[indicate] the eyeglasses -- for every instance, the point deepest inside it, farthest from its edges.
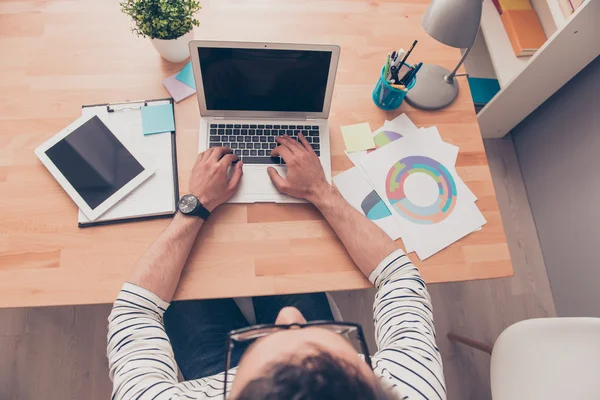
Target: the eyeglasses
(252, 333)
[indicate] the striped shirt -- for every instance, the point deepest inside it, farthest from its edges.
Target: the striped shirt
(142, 364)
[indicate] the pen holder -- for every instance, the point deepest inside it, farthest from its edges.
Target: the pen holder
(387, 97)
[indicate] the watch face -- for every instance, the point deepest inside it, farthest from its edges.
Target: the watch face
(187, 203)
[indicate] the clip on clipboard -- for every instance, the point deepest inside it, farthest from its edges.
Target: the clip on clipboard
(157, 197)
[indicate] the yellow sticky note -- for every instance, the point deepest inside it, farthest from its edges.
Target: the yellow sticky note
(358, 137)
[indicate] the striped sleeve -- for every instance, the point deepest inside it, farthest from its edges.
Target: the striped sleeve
(407, 357)
(140, 357)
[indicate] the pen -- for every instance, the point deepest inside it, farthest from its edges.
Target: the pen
(406, 75)
(399, 54)
(394, 72)
(409, 51)
(386, 69)
(414, 73)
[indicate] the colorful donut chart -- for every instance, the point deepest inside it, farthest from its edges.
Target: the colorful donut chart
(431, 214)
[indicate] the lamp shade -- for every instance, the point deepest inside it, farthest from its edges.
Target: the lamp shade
(453, 22)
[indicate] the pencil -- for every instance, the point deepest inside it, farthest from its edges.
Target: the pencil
(408, 52)
(386, 70)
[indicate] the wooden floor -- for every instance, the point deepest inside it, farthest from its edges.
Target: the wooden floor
(59, 352)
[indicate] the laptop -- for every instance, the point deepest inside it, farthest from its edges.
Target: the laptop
(250, 93)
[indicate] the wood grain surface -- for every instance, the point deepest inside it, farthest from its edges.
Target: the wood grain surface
(58, 55)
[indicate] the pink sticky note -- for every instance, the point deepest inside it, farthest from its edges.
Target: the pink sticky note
(177, 89)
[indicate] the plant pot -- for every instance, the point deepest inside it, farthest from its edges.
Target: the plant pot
(174, 50)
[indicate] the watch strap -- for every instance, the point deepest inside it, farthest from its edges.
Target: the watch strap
(201, 211)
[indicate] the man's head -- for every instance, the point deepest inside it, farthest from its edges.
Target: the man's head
(302, 364)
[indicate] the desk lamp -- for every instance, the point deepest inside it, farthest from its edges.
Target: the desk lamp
(454, 23)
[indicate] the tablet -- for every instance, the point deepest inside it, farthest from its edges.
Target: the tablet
(93, 166)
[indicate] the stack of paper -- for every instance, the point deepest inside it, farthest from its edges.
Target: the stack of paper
(408, 185)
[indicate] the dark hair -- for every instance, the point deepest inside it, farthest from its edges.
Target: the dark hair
(315, 377)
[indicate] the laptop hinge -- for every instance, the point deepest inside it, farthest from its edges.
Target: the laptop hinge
(269, 118)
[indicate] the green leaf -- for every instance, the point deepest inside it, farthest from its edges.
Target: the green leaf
(161, 19)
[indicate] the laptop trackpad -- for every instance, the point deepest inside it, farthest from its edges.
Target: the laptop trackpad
(257, 186)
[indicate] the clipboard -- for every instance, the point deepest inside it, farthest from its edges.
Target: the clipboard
(124, 120)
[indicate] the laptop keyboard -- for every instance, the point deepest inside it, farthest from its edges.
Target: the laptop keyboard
(253, 142)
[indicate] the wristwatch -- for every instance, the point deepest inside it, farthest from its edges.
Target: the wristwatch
(190, 205)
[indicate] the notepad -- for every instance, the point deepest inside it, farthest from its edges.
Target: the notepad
(358, 137)
(177, 89)
(157, 119)
(186, 75)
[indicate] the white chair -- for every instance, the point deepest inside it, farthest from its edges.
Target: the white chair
(545, 359)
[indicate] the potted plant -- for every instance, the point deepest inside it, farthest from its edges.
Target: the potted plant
(168, 23)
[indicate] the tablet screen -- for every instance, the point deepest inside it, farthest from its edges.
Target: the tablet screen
(94, 162)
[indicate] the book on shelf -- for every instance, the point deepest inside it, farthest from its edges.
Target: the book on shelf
(568, 7)
(505, 5)
(524, 31)
(497, 5)
(483, 89)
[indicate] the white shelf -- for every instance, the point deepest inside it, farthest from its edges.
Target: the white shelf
(506, 64)
(575, 40)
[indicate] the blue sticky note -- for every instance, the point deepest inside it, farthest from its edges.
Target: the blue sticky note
(157, 119)
(186, 75)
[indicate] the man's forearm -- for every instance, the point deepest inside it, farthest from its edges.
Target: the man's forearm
(365, 241)
(159, 268)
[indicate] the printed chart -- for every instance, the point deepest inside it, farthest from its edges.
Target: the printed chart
(425, 215)
(384, 137)
(373, 207)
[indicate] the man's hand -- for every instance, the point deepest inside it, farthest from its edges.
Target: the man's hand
(209, 181)
(305, 176)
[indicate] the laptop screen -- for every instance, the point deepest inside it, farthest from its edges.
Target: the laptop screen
(264, 79)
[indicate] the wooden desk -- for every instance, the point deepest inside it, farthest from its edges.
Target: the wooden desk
(57, 55)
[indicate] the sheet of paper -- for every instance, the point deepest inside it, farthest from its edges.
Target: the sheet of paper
(157, 119)
(401, 124)
(177, 89)
(358, 137)
(156, 196)
(186, 75)
(431, 131)
(433, 208)
(449, 151)
(360, 195)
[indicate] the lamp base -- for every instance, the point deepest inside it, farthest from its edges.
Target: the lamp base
(432, 92)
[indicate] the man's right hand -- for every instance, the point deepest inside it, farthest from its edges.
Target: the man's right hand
(305, 176)
(209, 182)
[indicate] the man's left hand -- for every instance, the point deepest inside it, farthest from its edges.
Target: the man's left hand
(209, 182)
